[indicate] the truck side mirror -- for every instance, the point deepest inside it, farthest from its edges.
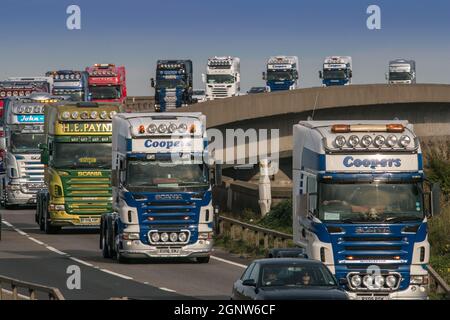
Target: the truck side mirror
(386, 76)
(320, 74)
(264, 76)
(203, 78)
(152, 82)
(2, 143)
(44, 153)
(350, 74)
(435, 199)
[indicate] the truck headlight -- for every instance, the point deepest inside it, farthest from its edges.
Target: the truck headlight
(182, 237)
(205, 235)
(368, 281)
(173, 237)
(366, 141)
(130, 236)
(379, 141)
(164, 237)
(56, 207)
(155, 237)
(391, 140)
(340, 141)
(353, 141)
(391, 281)
(379, 281)
(419, 280)
(405, 141)
(355, 281)
(152, 128)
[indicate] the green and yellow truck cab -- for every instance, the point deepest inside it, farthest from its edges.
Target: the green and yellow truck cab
(77, 162)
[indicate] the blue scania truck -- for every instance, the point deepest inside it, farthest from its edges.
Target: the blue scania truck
(282, 73)
(173, 84)
(361, 205)
(162, 203)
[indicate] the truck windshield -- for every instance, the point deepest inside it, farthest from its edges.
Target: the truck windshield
(82, 155)
(279, 75)
(74, 96)
(101, 92)
(370, 202)
(170, 83)
(220, 78)
(334, 74)
(164, 175)
(26, 142)
(400, 76)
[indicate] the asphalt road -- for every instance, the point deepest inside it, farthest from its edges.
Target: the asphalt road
(28, 254)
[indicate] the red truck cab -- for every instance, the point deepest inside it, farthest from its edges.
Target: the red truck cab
(107, 83)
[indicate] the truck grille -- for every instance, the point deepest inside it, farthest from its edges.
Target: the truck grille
(220, 92)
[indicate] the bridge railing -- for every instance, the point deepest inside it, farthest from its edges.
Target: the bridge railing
(238, 230)
(11, 291)
(140, 104)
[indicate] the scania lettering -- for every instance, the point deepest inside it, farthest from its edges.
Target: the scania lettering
(173, 85)
(401, 71)
(282, 73)
(337, 71)
(76, 152)
(361, 205)
(24, 176)
(107, 83)
(223, 77)
(70, 83)
(161, 190)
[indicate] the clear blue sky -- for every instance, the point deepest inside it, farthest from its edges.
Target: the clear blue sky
(138, 32)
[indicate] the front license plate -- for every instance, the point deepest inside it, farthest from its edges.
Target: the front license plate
(374, 298)
(169, 251)
(89, 220)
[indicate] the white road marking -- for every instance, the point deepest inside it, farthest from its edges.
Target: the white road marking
(6, 223)
(229, 262)
(36, 240)
(117, 274)
(166, 289)
(56, 250)
(81, 261)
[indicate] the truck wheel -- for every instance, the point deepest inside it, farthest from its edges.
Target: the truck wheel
(48, 228)
(105, 246)
(203, 259)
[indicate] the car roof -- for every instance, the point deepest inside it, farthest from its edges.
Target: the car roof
(274, 261)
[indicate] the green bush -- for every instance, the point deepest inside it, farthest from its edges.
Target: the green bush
(279, 217)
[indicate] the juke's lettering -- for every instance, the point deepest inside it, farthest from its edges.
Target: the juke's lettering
(371, 163)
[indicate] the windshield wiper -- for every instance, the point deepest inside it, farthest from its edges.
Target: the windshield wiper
(401, 219)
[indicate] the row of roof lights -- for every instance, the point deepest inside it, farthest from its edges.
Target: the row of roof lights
(20, 93)
(366, 141)
(71, 76)
(164, 128)
(84, 115)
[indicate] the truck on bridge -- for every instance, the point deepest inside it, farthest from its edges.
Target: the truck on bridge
(19, 87)
(401, 71)
(70, 83)
(223, 77)
(77, 156)
(282, 73)
(337, 71)
(24, 172)
(173, 84)
(107, 83)
(161, 190)
(361, 205)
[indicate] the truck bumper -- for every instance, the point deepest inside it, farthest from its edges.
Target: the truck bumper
(17, 197)
(137, 249)
(63, 219)
(413, 292)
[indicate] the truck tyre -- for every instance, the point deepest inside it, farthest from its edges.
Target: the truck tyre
(48, 228)
(106, 252)
(203, 259)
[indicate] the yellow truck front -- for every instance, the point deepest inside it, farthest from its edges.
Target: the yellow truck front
(77, 159)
